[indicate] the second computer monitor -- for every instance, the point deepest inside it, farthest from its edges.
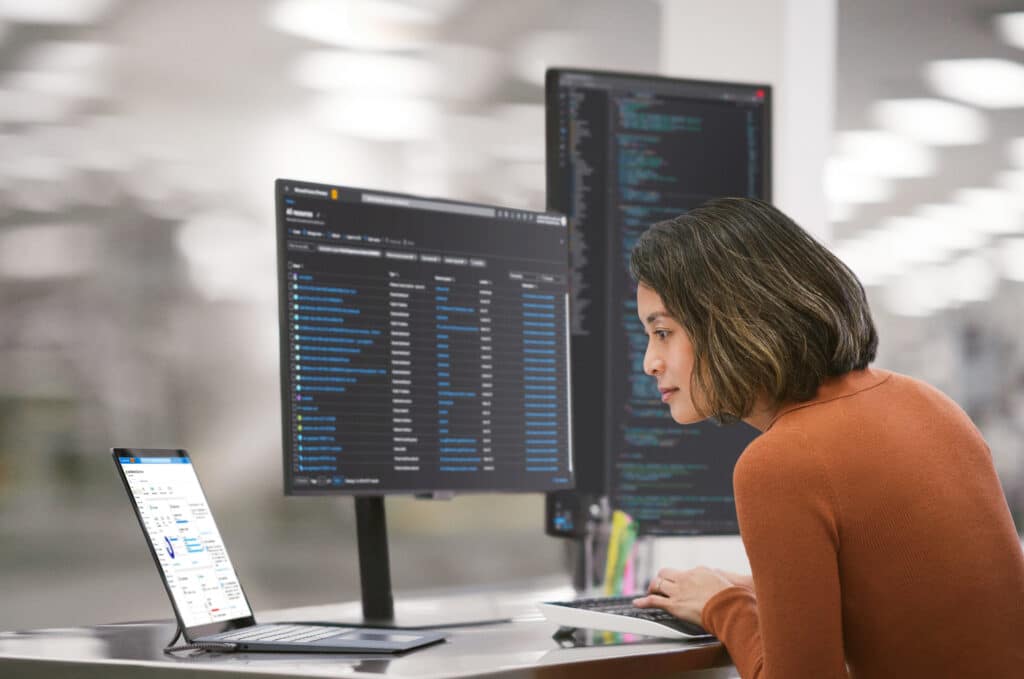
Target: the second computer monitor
(424, 344)
(625, 151)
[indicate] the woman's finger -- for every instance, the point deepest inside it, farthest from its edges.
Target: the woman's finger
(651, 601)
(668, 574)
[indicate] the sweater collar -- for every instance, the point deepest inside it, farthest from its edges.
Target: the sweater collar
(837, 387)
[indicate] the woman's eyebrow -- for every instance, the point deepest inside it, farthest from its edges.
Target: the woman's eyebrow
(656, 315)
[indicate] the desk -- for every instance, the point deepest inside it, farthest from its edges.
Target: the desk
(521, 648)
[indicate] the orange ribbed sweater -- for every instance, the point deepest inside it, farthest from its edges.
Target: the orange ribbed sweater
(879, 540)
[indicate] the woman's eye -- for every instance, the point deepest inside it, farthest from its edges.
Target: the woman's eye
(662, 334)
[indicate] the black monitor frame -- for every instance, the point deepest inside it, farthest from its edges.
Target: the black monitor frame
(512, 216)
(593, 481)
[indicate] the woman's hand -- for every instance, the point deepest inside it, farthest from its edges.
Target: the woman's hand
(683, 593)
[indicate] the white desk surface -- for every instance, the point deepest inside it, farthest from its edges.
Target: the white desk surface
(523, 647)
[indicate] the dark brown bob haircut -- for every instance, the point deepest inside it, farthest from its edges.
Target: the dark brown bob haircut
(768, 309)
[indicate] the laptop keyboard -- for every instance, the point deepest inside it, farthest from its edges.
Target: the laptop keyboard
(624, 606)
(281, 633)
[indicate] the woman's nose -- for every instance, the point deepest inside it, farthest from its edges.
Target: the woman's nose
(653, 365)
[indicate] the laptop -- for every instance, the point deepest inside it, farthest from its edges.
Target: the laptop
(209, 604)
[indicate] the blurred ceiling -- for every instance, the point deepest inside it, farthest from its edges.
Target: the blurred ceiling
(884, 52)
(151, 112)
(167, 104)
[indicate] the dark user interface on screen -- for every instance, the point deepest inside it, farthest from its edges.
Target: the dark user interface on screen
(625, 152)
(424, 344)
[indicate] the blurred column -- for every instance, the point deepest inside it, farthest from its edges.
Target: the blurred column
(788, 44)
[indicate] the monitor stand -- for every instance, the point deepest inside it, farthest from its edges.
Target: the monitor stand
(379, 609)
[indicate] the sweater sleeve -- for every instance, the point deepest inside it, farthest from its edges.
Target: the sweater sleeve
(787, 515)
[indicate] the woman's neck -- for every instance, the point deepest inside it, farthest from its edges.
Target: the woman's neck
(762, 415)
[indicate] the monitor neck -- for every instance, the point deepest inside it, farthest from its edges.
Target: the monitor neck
(374, 565)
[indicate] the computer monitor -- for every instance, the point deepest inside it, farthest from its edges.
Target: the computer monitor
(424, 351)
(625, 151)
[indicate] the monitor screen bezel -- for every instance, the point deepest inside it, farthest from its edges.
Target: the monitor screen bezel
(284, 357)
(195, 631)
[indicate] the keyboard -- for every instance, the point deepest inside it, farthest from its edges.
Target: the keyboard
(618, 614)
(298, 634)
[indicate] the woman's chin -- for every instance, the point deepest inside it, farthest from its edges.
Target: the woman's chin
(686, 416)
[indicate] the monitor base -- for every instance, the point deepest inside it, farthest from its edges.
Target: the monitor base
(417, 622)
(423, 613)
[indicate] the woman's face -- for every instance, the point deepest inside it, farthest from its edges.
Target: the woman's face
(669, 356)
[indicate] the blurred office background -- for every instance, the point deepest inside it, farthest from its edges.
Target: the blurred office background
(138, 145)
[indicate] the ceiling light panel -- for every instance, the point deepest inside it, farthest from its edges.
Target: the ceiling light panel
(931, 121)
(378, 118)
(1010, 27)
(872, 257)
(840, 212)
(918, 293)
(65, 55)
(974, 278)
(59, 84)
(1012, 258)
(1016, 152)
(59, 12)
(885, 154)
(329, 70)
(988, 83)
(952, 225)
(991, 210)
(1012, 181)
(357, 24)
(847, 182)
(915, 240)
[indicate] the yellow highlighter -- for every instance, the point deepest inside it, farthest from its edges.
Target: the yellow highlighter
(619, 545)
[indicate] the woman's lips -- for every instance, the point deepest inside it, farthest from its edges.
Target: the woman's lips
(666, 394)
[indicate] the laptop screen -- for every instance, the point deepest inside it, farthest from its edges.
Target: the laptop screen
(185, 539)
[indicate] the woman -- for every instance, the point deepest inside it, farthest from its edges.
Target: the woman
(879, 539)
